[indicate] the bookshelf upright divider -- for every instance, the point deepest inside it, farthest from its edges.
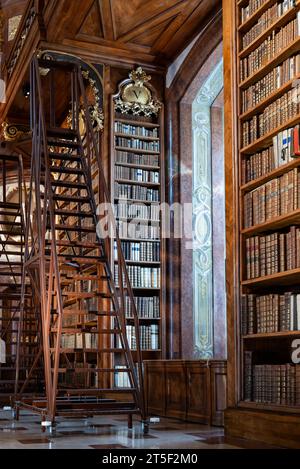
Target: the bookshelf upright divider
(137, 187)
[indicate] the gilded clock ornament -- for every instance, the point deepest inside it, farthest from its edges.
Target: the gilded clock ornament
(136, 96)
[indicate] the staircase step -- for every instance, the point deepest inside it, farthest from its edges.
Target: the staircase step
(82, 229)
(10, 223)
(7, 213)
(72, 261)
(79, 294)
(6, 232)
(61, 132)
(65, 157)
(69, 185)
(62, 144)
(77, 244)
(69, 198)
(83, 278)
(10, 253)
(70, 213)
(11, 242)
(66, 170)
(9, 205)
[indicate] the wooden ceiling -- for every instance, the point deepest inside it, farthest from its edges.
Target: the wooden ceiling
(150, 30)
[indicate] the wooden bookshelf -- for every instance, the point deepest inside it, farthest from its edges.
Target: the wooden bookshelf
(246, 25)
(286, 52)
(281, 21)
(142, 161)
(267, 316)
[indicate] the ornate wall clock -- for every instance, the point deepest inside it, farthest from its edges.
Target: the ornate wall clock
(136, 96)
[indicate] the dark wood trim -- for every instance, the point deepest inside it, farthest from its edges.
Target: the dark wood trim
(231, 178)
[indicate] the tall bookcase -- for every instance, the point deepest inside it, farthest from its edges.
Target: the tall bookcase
(266, 94)
(137, 185)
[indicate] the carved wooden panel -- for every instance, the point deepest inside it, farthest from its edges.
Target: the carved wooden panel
(175, 390)
(155, 387)
(218, 378)
(198, 392)
(194, 391)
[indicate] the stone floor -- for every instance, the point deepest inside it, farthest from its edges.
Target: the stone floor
(112, 432)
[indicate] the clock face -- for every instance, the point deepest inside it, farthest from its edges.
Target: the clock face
(136, 94)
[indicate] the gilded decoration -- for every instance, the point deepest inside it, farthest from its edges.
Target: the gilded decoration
(12, 132)
(136, 96)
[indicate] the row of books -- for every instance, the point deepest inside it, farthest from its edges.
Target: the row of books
(140, 277)
(122, 376)
(79, 341)
(147, 307)
(139, 251)
(275, 198)
(251, 8)
(274, 115)
(149, 337)
(265, 52)
(284, 149)
(129, 191)
(144, 212)
(139, 131)
(136, 174)
(133, 230)
(270, 313)
(132, 158)
(271, 82)
(271, 384)
(265, 20)
(137, 144)
(274, 253)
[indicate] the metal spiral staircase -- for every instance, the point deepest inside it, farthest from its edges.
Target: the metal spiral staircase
(68, 260)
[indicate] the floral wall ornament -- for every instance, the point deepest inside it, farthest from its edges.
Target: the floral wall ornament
(96, 112)
(136, 96)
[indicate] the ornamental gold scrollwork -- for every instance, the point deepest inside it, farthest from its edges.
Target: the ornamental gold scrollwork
(12, 132)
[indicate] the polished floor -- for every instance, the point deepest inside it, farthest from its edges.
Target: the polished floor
(112, 432)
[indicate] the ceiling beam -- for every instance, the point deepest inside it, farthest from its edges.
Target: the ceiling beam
(107, 20)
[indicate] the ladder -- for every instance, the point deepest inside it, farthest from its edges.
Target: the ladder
(82, 311)
(19, 328)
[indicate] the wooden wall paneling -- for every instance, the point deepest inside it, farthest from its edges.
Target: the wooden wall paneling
(175, 389)
(194, 391)
(218, 380)
(155, 386)
(198, 392)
